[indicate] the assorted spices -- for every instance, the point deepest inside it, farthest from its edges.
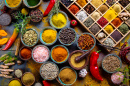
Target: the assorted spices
(33, 2)
(82, 15)
(88, 22)
(13, 3)
(109, 42)
(96, 15)
(28, 78)
(49, 35)
(36, 15)
(103, 9)
(59, 20)
(66, 2)
(67, 76)
(30, 37)
(85, 42)
(15, 83)
(59, 54)
(96, 3)
(89, 8)
(128, 8)
(67, 36)
(26, 53)
(124, 3)
(82, 2)
(116, 35)
(49, 71)
(124, 28)
(40, 53)
(102, 21)
(18, 73)
(94, 29)
(117, 8)
(111, 63)
(116, 22)
(74, 8)
(108, 29)
(111, 2)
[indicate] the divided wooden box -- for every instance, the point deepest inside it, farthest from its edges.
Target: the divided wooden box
(95, 21)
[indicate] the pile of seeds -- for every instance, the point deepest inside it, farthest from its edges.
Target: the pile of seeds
(30, 37)
(67, 36)
(111, 63)
(49, 71)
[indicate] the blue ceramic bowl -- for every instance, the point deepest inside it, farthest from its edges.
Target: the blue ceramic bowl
(66, 57)
(42, 46)
(64, 43)
(33, 44)
(92, 37)
(50, 21)
(43, 65)
(111, 55)
(64, 83)
(48, 44)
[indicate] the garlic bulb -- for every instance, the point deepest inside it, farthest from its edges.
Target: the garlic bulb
(83, 73)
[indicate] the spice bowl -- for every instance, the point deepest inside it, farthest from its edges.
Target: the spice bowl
(59, 54)
(48, 37)
(92, 40)
(17, 73)
(36, 41)
(119, 62)
(17, 82)
(29, 6)
(66, 35)
(60, 80)
(51, 21)
(50, 71)
(40, 53)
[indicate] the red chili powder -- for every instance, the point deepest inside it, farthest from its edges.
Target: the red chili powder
(116, 22)
(102, 21)
(74, 8)
(25, 53)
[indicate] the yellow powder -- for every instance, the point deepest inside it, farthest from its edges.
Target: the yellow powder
(14, 83)
(81, 2)
(59, 20)
(108, 29)
(96, 3)
(13, 3)
(72, 59)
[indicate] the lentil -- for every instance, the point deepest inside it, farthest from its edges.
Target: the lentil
(109, 42)
(89, 8)
(116, 35)
(82, 15)
(124, 28)
(94, 29)
(88, 22)
(102, 21)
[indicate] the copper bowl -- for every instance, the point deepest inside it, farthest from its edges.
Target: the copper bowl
(15, 79)
(77, 68)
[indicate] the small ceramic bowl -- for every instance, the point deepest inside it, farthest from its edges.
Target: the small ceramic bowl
(43, 65)
(92, 37)
(66, 57)
(14, 8)
(16, 75)
(22, 79)
(27, 5)
(33, 44)
(42, 46)
(47, 44)
(111, 55)
(64, 43)
(20, 53)
(15, 79)
(54, 25)
(64, 83)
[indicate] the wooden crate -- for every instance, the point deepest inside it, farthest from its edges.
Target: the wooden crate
(95, 22)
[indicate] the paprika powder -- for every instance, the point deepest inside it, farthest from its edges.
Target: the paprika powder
(25, 53)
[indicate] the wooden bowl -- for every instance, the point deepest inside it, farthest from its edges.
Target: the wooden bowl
(15, 79)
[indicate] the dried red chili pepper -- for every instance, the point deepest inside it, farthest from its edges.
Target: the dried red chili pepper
(45, 83)
(94, 67)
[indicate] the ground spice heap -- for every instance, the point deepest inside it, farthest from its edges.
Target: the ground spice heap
(108, 29)
(96, 15)
(103, 9)
(116, 22)
(25, 53)
(94, 29)
(74, 8)
(67, 76)
(124, 28)
(59, 54)
(116, 35)
(14, 83)
(124, 3)
(82, 15)
(67, 36)
(111, 63)
(89, 9)
(88, 22)
(13, 3)
(82, 2)
(117, 8)
(94, 2)
(33, 2)
(66, 2)
(102, 21)
(49, 35)
(85, 42)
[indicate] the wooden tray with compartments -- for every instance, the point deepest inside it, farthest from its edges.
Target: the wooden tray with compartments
(96, 9)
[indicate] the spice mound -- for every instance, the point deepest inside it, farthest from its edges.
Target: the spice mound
(59, 54)
(85, 42)
(28, 78)
(103, 9)
(67, 36)
(13, 3)
(18, 73)
(15, 83)
(25, 53)
(109, 42)
(111, 63)
(116, 22)
(82, 2)
(67, 76)
(30, 37)
(59, 20)
(49, 71)
(74, 8)
(40, 53)
(49, 35)
(124, 28)
(82, 15)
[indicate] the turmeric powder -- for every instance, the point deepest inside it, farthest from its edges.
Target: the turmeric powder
(82, 2)
(13, 3)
